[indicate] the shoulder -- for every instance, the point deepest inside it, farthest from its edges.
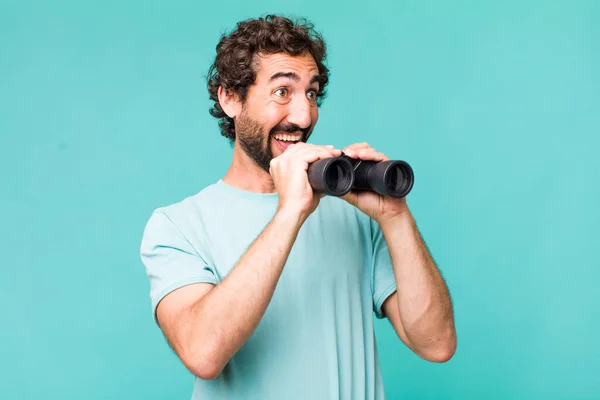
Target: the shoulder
(181, 210)
(176, 216)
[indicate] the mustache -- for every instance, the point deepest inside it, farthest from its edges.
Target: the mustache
(291, 128)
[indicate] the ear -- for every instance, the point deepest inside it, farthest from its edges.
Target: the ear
(229, 102)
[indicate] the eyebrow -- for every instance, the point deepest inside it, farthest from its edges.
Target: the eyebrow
(293, 76)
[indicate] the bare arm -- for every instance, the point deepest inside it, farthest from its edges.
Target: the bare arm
(208, 332)
(421, 309)
(205, 324)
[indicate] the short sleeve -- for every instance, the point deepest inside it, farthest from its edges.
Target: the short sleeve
(170, 260)
(383, 278)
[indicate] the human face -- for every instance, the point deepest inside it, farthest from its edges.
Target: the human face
(280, 108)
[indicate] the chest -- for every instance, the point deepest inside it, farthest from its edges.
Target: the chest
(330, 246)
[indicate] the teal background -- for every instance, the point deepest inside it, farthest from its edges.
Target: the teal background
(104, 116)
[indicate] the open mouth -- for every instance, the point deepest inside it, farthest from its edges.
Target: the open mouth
(283, 140)
(286, 137)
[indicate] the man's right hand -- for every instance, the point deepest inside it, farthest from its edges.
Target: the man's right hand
(289, 173)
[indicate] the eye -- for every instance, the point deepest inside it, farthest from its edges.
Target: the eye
(312, 94)
(281, 92)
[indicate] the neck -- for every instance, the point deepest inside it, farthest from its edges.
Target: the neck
(244, 174)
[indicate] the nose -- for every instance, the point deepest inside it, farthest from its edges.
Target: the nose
(300, 112)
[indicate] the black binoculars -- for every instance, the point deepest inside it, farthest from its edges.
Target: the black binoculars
(336, 176)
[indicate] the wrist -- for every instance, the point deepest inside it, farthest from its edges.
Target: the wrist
(291, 217)
(401, 219)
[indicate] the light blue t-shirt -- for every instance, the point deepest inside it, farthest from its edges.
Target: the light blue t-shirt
(316, 339)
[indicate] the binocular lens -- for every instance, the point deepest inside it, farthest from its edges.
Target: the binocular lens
(338, 177)
(332, 176)
(399, 180)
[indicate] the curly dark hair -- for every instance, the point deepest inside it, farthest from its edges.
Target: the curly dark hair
(233, 67)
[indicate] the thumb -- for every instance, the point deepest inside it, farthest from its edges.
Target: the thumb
(351, 197)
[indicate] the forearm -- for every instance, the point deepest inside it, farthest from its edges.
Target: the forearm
(424, 303)
(223, 320)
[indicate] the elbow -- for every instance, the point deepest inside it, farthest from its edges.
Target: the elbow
(441, 355)
(206, 371)
(202, 365)
(442, 351)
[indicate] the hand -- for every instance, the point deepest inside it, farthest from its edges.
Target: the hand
(378, 207)
(289, 173)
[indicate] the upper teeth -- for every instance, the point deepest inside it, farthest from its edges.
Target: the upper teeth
(286, 137)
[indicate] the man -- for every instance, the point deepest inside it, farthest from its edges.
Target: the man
(266, 289)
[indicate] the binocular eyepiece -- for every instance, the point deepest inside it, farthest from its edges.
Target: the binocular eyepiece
(337, 176)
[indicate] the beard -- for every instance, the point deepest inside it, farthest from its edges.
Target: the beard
(256, 144)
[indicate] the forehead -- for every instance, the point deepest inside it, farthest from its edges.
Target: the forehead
(267, 66)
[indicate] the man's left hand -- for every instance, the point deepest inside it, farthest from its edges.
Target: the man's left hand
(380, 208)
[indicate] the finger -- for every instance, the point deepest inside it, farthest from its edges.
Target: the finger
(362, 145)
(371, 155)
(356, 146)
(296, 148)
(310, 152)
(355, 152)
(312, 155)
(328, 149)
(325, 153)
